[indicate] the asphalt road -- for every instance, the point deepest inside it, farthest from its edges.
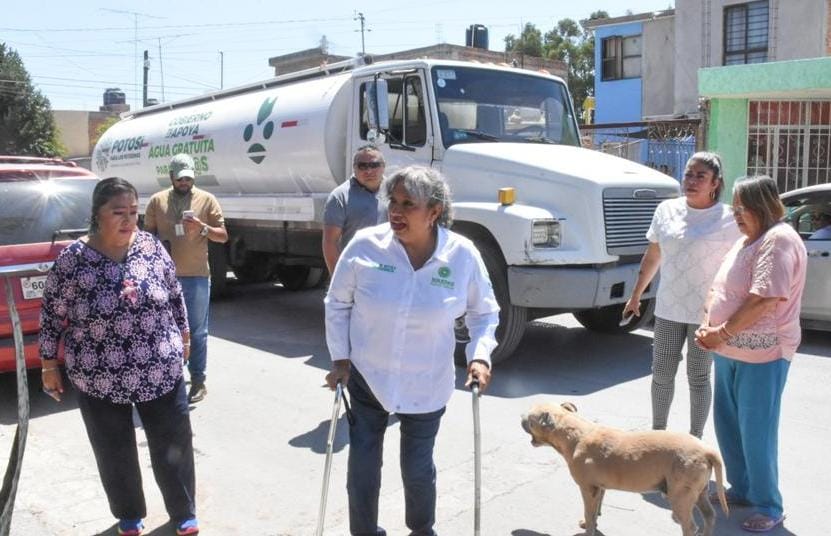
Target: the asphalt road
(260, 436)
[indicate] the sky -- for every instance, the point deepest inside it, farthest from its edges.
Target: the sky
(74, 50)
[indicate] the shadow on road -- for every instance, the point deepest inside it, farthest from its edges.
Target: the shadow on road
(315, 440)
(40, 403)
(552, 359)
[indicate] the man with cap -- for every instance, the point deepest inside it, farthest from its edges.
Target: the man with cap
(185, 218)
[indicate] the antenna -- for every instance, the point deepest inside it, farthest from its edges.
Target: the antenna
(135, 15)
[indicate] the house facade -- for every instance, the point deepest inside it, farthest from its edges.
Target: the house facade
(755, 73)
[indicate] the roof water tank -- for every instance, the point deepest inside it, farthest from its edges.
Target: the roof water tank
(476, 35)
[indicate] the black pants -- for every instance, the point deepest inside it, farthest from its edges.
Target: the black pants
(166, 423)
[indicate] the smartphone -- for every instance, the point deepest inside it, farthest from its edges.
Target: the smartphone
(187, 215)
(626, 318)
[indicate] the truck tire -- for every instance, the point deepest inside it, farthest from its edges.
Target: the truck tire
(218, 264)
(607, 319)
(255, 268)
(512, 319)
(297, 277)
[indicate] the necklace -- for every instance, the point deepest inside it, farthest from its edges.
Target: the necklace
(116, 253)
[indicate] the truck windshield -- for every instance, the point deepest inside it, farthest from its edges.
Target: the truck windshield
(477, 105)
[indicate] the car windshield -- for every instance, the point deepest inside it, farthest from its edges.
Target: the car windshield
(31, 210)
(476, 105)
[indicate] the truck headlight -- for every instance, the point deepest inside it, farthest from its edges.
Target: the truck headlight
(547, 234)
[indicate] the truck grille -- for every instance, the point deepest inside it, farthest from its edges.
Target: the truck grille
(627, 214)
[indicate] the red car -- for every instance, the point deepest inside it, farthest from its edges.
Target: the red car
(43, 203)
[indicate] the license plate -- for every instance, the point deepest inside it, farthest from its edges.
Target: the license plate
(32, 287)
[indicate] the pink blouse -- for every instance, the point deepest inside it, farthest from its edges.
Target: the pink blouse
(771, 267)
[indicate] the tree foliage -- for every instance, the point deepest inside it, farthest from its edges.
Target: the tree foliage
(27, 126)
(567, 41)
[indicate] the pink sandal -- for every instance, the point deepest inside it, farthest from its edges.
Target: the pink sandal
(762, 523)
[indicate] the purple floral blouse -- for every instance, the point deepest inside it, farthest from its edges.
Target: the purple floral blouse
(121, 321)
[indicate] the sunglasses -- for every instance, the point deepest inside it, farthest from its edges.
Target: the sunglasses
(182, 179)
(363, 166)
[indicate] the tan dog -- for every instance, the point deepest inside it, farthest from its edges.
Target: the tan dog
(600, 458)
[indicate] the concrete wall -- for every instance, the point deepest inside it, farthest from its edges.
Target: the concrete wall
(617, 100)
(799, 29)
(689, 54)
(727, 136)
(658, 67)
(74, 131)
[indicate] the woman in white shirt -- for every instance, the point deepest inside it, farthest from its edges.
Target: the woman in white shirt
(688, 239)
(390, 311)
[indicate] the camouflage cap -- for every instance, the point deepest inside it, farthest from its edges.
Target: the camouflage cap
(181, 165)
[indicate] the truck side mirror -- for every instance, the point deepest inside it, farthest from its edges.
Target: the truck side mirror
(378, 105)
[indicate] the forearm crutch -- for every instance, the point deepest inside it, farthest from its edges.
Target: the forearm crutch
(477, 462)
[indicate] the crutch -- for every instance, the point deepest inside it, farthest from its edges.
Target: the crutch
(477, 462)
(327, 469)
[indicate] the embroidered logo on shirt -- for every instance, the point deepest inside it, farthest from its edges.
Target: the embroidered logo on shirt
(385, 267)
(443, 278)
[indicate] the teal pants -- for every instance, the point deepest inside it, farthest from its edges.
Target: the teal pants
(746, 403)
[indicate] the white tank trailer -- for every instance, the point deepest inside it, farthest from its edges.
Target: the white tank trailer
(561, 228)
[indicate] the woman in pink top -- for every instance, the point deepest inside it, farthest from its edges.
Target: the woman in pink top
(752, 326)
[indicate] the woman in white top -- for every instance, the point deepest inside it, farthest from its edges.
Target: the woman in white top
(688, 239)
(390, 309)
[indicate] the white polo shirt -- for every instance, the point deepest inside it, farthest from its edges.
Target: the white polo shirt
(396, 324)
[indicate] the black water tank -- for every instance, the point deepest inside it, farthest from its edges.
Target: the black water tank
(114, 95)
(477, 36)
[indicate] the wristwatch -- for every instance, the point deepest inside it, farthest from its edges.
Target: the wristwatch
(204, 231)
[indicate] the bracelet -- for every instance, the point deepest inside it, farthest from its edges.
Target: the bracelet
(186, 344)
(48, 369)
(724, 327)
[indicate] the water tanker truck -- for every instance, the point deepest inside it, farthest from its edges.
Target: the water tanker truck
(561, 228)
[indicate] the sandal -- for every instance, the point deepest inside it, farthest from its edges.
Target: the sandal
(762, 523)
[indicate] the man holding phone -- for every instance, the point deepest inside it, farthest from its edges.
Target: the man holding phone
(185, 218)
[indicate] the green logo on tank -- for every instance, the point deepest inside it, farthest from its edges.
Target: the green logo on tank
(256, 151)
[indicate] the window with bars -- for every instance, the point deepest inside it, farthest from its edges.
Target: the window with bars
(746, 33)
(790, 141)
(621, 57)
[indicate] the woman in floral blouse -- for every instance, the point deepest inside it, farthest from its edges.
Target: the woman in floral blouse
(113, 297)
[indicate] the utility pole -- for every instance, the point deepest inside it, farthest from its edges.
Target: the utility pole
(135, 16)
(144, 80)
(221, 69)
(161, 71)
(360, 16)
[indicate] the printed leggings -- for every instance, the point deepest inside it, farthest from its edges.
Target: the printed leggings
(668, 343)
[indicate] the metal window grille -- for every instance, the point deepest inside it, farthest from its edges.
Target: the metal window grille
(746, 33)
(790, 141)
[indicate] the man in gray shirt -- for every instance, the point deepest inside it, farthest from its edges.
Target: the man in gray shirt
(354, 204)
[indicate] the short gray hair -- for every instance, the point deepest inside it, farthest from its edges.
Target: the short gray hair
(368, 148)
(760, 196)
(423, 184)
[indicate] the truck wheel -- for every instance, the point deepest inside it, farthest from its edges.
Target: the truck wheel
(255, 268)
(218, 263)
(512, 319)
(296, 277)
(607, 319)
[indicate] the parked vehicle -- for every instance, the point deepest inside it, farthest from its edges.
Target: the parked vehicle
(803, 206)
(565, 235)
(42, 202)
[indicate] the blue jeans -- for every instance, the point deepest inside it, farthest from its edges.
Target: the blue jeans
(111, 433)
(366, 447)
(197, 292)
(746, 417)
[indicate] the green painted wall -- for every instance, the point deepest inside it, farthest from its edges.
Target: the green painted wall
(727, 136)
(779, 77)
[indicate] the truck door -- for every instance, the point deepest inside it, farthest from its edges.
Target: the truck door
(409, 140)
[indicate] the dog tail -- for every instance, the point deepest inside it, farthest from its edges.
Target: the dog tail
(715, 462)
